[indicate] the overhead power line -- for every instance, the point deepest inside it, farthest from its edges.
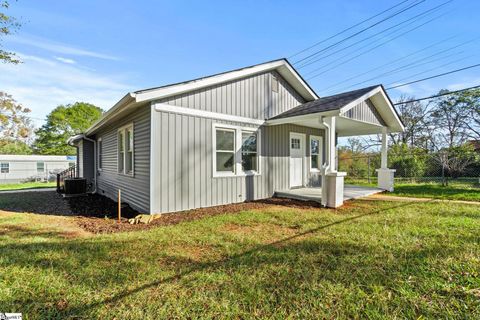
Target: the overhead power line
(347, 29)
(391, 62)
(361, 31)
(437, 95)
(414, 64)
(373, 48)
(394, 27)
(435, 76)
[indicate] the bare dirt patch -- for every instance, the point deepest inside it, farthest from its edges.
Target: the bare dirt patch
(98, 226)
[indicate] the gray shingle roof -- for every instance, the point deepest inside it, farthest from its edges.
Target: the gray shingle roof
(329, 103)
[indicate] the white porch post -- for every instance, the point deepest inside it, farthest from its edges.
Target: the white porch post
(385, 175)
(333, 188)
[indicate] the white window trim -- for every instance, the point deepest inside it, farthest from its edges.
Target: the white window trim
(320, 155)
(124, 128)
(36, 166)
(100, 164)
(238, 172)
(8, 163)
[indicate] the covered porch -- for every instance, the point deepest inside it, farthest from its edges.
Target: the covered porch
(365, 111)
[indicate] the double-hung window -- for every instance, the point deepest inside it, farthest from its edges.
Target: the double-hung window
(315, 153)
(249, 152)
(100, 153)
(125, 150)
(225, 151)
(40, 167)
(5, 167)
(235, 151)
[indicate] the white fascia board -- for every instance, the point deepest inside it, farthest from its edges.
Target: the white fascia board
(280, 65)
(362, 98)
(295, 119)
(162, 107)
(128, 99)
(398, 126)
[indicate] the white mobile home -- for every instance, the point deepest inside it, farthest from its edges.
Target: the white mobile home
(240, 135)
(22, 168)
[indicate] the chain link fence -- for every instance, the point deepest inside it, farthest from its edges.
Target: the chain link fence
(439, 167)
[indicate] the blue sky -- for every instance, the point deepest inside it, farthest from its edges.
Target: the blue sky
(96, 51)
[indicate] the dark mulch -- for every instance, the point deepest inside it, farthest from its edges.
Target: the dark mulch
(96, 225)
(52, 203)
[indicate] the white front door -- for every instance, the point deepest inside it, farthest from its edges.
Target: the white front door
(297, 156)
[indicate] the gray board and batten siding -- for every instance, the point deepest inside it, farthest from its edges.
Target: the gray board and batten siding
(365, 111)
(135, 188)
(173, 152)
(182, 175)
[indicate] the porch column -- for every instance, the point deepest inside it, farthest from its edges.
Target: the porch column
(385, 175)
(333, 186)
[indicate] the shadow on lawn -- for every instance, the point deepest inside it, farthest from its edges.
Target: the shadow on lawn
(335, 263)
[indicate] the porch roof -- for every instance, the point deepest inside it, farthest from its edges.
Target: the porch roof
(338, 105)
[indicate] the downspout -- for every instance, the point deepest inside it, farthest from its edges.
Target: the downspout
(325, 166)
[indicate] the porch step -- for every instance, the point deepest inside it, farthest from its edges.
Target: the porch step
(294, 196)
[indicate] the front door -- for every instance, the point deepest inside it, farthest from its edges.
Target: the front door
(297, 156)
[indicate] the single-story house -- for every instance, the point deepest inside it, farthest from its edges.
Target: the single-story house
(231, 137)
(21, 168)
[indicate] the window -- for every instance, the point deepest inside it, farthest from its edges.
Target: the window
(71, 164)
(225, 150)
(5, 167)
(235, 151)
(274, 84)
(100, 153)
(249, 151)
(315, 152)
(295, 143)
(125, 150)
(40, 167)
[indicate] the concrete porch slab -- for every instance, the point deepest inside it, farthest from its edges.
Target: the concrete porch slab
(315, 194)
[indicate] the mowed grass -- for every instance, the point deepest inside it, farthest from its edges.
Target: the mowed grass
(437, 191)
(370, 259)
(27, 185)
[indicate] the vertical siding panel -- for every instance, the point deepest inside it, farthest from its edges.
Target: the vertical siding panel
(198, 164)
(178, 162)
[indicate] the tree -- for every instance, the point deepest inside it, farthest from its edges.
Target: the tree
(448, 116)
(8, 146)
(415, 117)
(8, 25)
(472, 99)
(63, 122)
(15, 123)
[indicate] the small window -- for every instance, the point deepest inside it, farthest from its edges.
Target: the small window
(40, 167)
(5, 167)
(121, 151)
(315, 152)
(274, 84)
(295, 143)
(225, 150)
(71, 164)
(249, 151)
(125, 150)
(100, 153)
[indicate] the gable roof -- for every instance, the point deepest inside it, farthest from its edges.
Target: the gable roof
(335, 102)
(340, 103)
(132, 99)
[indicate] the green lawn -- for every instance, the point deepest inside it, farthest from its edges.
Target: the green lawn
(370, 259)
(27, 185)
(437, 191)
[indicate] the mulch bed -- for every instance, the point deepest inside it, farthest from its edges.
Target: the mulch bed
(99, 226)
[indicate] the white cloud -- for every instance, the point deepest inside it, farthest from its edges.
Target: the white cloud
(59, 47)
(41, 84)
(66, 60)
